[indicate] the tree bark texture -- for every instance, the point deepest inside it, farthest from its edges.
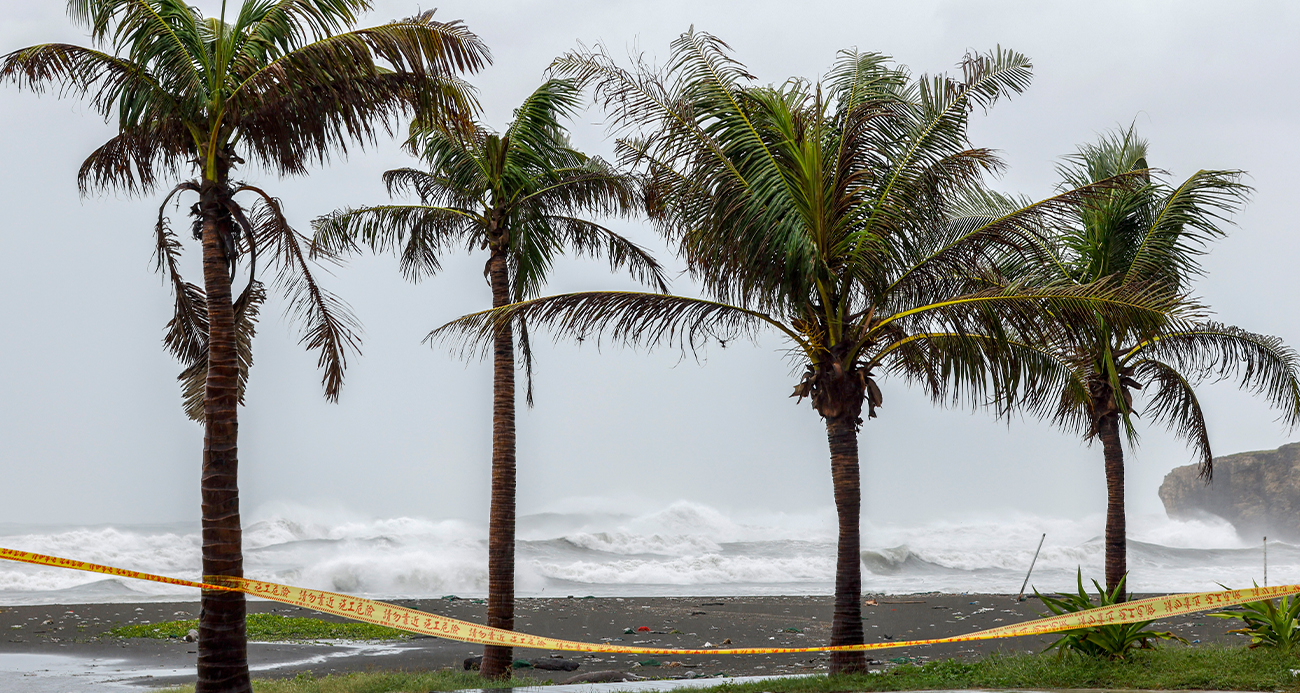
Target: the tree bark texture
(223, 644)
(846, 626)
(1116, 531)
(497, 661)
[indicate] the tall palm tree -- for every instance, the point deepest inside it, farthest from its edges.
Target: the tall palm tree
(284, 83)
(825, 211)
(1151, 234)
(523, 195)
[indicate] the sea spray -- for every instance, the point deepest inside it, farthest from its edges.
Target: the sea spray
(680, 549)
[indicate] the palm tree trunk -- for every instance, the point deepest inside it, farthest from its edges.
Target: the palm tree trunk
(846, 626)
(1116, 532)
(497, 661)
(223, 645)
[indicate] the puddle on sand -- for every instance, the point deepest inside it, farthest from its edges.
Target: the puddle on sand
(42, 673)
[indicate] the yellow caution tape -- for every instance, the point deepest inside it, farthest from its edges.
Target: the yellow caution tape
(424, 623)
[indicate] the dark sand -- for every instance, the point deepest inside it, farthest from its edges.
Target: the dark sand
(747, 621)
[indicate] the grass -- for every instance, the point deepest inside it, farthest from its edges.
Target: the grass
(270, 627)
(1173, 668)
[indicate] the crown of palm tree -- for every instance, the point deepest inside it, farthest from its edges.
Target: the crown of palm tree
(1154, 234)
(283, 84)
(525, 193)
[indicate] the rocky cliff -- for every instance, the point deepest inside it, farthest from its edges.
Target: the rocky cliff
(1258, 492)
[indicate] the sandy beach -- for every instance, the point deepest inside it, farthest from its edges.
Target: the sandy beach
(77, 631)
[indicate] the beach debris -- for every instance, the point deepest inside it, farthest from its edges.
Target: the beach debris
(698, 613)
(706, 643)
(191, 636)
(628, 631)
(473, 663)
(871, 602)
(725, 642)
(713, 604)
(521, 664)
(673, 632)
(673, 665)
(791, 630)
(554, 663)
(652, 662)
(643, 629)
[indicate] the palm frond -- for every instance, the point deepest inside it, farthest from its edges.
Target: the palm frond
(1172, 401)
(187, 332)
(1059, 314)
(194, 378)
(622, 317)
(417, 234)
(1261, 364)
(589, 238)
(1185, 222)
(988, 371)
(133, 160)
(165, 35)
(319, 97)
(327, 323)
(81, 72)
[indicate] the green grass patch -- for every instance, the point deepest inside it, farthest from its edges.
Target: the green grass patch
(270, 627)
(1173, 668)
(389, 682)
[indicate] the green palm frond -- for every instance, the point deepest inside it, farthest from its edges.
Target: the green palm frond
(1185, 222)
(1261, 364)
(419, 235)
(1172, 401)
(984, 371)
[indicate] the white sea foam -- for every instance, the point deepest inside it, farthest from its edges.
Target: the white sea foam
(684, 548)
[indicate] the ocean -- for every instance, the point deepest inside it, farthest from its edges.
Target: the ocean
(683, 549)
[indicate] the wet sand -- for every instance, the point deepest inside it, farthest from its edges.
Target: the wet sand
(674, 622)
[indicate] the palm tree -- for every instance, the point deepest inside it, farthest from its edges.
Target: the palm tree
(522, 195)
(826, 212)
(1152, 234)
(284, 83)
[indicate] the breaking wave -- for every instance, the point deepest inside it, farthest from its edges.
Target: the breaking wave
(682, 549)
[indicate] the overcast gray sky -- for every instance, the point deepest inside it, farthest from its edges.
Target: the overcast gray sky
(90, 424)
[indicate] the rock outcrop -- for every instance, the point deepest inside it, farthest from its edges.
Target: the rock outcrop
(1258, 492)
